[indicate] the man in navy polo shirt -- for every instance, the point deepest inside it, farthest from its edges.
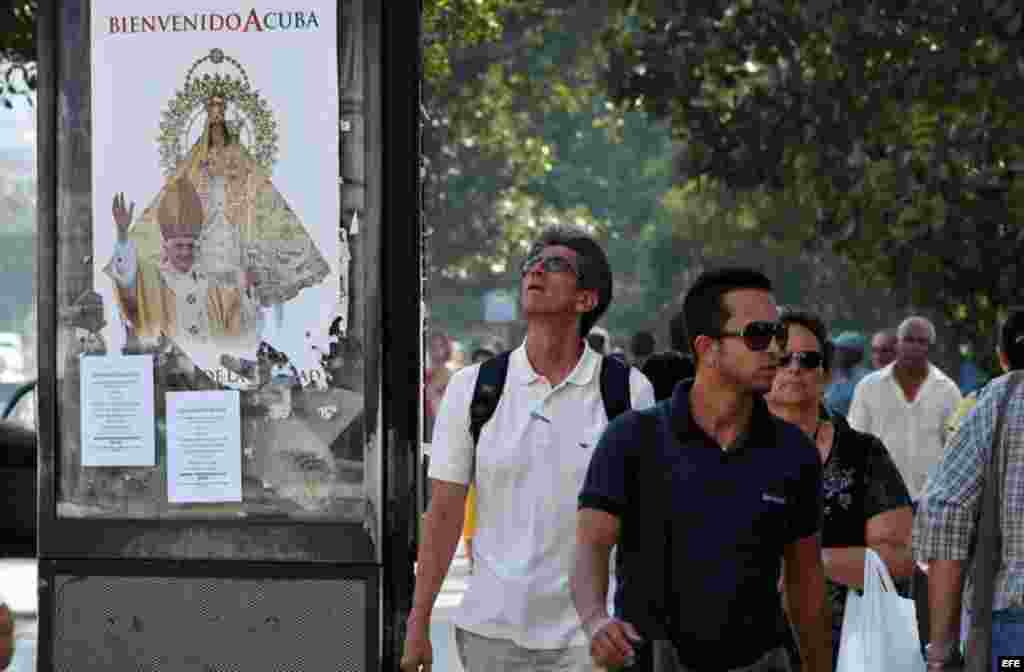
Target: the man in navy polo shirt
(709, 498)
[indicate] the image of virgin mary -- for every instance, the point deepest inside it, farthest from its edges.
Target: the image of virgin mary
(251, 237)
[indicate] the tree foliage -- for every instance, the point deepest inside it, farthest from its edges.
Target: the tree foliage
(17, 50)
(518, 132)
(533, 137)
(890, 128)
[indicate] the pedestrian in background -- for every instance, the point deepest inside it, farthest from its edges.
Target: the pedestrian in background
(907, 404)
(528, 465)
(666, 369)
(883, 348)
(641, 346)
(704, 495)
(1007, 352)
(866, 503)
(436, 378)
(847, 372)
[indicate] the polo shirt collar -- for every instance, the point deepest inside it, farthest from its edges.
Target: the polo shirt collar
(686, 428)
(522, 371)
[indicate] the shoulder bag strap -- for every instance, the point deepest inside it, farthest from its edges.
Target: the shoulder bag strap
(490, 382)
(988, 556)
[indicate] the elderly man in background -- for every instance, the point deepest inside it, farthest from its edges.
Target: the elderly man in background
(907, 403)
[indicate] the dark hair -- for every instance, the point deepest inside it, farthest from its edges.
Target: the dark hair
(642, 344)
(665, 369)
(595, 271)
(1011, 338)
(816, 326)
(704, 312)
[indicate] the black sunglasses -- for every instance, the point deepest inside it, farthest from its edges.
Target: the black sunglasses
(551, 264)
(805, 359)
(759, 335)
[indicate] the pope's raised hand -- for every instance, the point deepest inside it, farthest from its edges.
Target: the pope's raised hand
(122, 217)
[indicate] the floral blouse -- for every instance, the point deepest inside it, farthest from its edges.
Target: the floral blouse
(860, 481)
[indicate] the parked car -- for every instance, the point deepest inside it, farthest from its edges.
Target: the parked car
(12, 357)
(18, 476)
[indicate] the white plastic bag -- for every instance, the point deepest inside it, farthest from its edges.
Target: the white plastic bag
(880, 627)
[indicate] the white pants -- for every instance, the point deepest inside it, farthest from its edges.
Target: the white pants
(484, 654)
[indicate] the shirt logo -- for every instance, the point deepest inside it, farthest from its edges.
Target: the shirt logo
(537, 416)
(774, 499)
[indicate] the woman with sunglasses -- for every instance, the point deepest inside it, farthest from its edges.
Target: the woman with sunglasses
(866, 501)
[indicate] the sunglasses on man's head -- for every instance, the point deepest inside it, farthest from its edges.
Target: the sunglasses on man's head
(551, 264)
(805, 359)
(759, 335)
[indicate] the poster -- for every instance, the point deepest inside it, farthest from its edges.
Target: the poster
(215, 191)
(204, 447)
(118, 420)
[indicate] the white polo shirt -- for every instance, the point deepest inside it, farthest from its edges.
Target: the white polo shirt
(531, 460)
(913, 432)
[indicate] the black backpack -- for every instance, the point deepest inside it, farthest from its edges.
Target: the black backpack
(491, 382)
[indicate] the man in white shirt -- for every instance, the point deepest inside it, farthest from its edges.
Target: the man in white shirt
(906, 404)
(528, 467)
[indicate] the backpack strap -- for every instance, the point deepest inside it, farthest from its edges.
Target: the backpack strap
(487, 392)
(490, 383)
(615, 387)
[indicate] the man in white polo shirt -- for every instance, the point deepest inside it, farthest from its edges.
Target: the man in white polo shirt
(528, 467)
(906, 404)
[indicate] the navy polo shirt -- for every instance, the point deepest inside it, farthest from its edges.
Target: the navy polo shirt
(703, 530)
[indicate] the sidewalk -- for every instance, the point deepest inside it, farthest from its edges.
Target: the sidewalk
(442, 633)
(19, 578)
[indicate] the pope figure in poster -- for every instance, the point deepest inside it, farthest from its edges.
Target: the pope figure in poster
(174, 297)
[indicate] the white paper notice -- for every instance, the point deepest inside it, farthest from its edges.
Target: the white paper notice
(118, 412)
(204, 447)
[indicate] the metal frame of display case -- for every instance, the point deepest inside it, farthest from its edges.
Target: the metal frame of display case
(267, 549)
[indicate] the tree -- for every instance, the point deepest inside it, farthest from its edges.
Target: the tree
(530, 137)
(893, 124)
(17, 50)
(492, 75)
